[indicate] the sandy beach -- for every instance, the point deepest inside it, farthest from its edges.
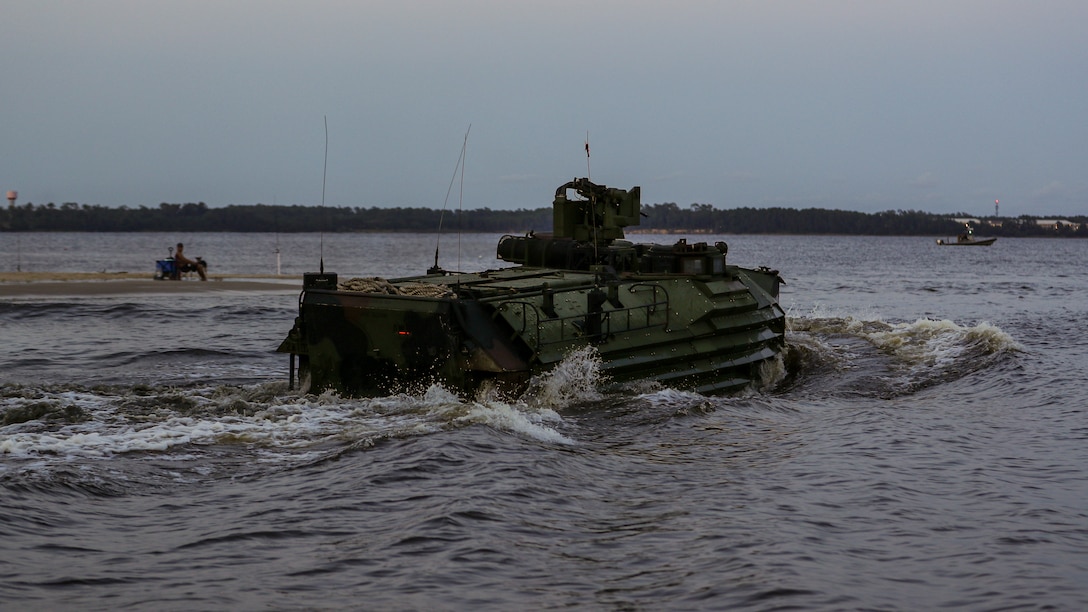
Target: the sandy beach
(28, 284)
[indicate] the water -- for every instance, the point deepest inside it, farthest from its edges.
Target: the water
(929, 452)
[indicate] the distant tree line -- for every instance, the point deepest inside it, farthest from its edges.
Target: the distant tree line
(668, 217)
(199, 217)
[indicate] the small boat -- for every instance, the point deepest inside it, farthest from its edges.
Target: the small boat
(966, 238)
(676, 314)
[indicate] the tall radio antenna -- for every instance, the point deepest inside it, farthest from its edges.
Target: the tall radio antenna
(592, 212)
(324, 172)
(459, 166)
(461, 200)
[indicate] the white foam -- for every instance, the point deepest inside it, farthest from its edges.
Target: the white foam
(573, 380)
(669, 397)
(920, 346)
(993, 338)
(931, 342)
(518, 419)
(772, 372)
(276, 427)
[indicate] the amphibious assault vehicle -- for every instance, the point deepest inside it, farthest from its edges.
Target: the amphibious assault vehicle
(677, 314)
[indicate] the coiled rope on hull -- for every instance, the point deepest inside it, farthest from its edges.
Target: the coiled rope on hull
(375, 284)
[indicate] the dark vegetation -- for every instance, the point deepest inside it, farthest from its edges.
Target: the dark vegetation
(667, 217)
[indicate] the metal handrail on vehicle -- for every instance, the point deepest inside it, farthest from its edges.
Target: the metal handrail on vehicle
(568, 328)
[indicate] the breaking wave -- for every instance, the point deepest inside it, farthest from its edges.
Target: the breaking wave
(92, 422)
(182, 434)
(896, 358)
(43, 429)
(574, 380)
(925, 341)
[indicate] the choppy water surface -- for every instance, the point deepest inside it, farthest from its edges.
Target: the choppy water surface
(928, 450)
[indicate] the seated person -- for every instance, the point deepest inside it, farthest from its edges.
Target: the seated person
(184, 264)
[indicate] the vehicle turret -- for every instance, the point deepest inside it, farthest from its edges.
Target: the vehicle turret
(598, 218)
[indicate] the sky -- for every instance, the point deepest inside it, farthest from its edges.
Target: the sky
(930, 105)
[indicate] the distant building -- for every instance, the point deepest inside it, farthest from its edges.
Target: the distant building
(1056, 223)
(1049, 224)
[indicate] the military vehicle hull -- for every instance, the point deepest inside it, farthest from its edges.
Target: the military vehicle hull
(677, 315)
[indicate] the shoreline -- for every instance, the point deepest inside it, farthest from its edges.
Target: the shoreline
(27, 284)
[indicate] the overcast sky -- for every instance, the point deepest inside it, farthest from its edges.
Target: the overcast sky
(936, 105)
